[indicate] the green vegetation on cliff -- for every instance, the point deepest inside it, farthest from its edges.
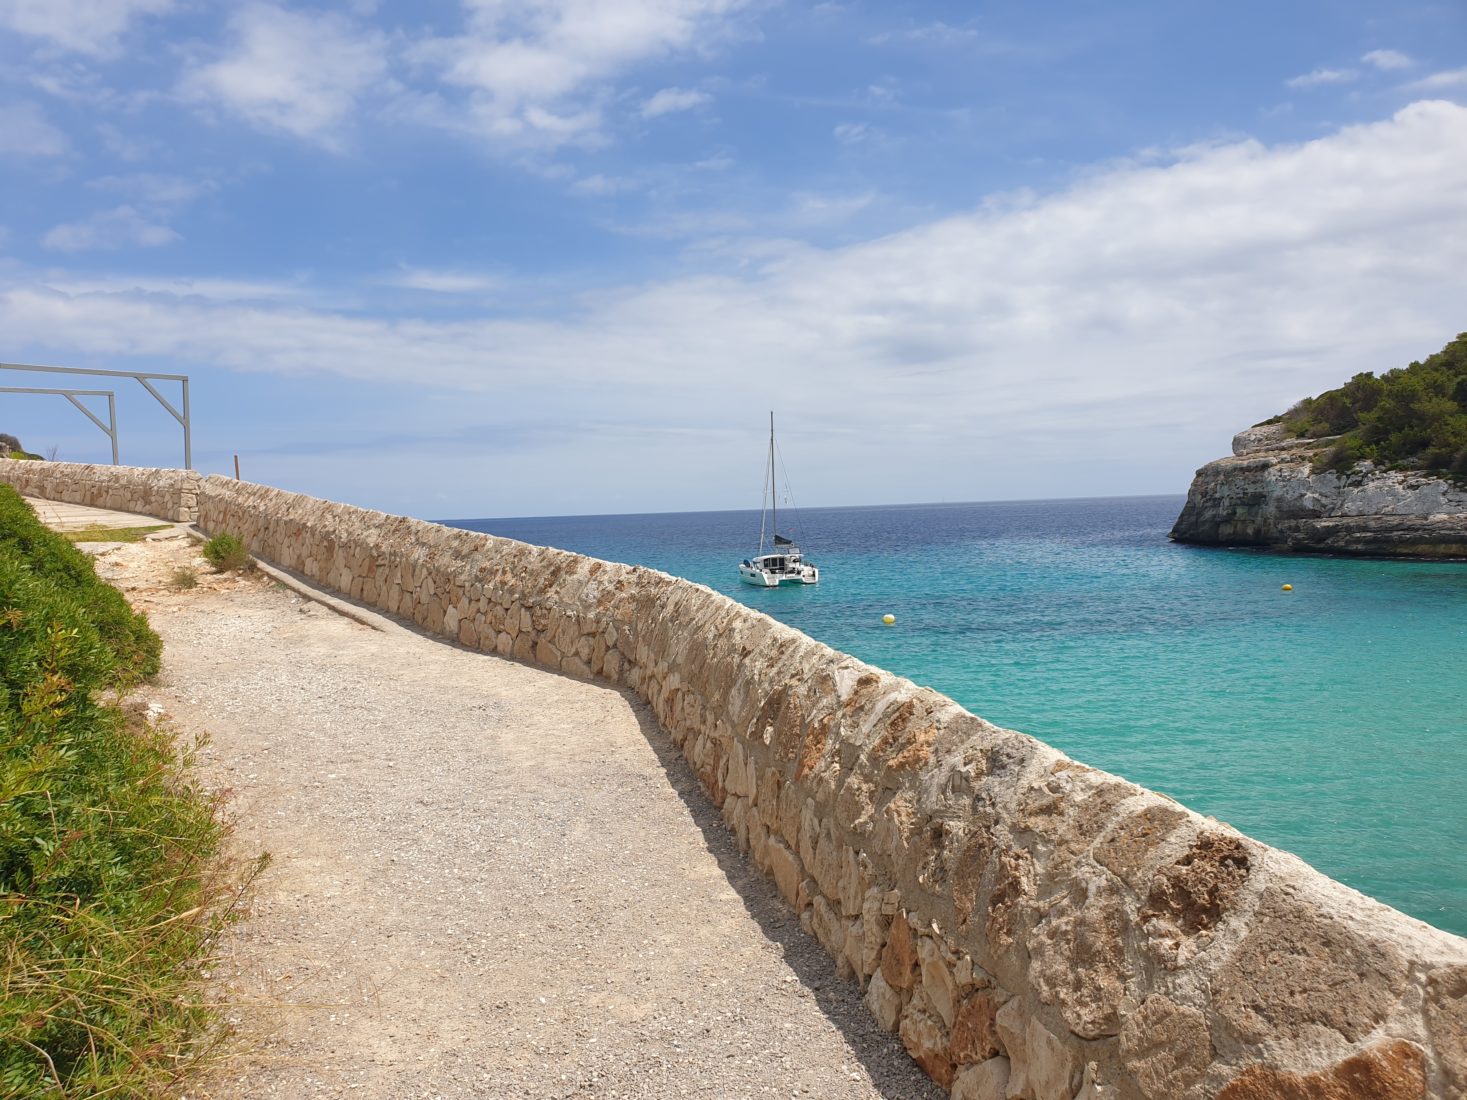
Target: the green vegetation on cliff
(109, 882)
(1412, 416)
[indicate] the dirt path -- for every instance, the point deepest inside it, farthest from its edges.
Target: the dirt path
(488, 880)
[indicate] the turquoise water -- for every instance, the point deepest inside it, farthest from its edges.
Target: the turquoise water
(1330, 721)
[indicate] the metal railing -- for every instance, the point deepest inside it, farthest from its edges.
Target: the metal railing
(110, 428)
(182, 416)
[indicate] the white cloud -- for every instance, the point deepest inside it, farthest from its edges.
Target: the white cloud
(1322, 76)
(535, 73)
(93, 27)
(441, 282)
(25, 132)
(1387, 59)
(602, 185)
(291, 71)
(1128, 323)
(1443, 81)
(116, 228)
(180, 287)
(669, 100)
(156, 189)
(852, 133)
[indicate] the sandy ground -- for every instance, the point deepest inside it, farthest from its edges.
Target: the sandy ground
(487, 881)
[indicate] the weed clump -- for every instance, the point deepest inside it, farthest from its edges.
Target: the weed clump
(184, 578)
(110, 882)
(227, 554)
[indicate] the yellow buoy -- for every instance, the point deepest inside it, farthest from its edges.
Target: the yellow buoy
(1288, 588)
(888, 619)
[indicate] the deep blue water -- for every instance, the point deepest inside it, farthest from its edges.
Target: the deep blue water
(1330, 721)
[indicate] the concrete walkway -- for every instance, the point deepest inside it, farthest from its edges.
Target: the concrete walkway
(488, 880)
(60, 516)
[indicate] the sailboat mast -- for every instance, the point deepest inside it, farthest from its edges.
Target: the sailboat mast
(773, 486)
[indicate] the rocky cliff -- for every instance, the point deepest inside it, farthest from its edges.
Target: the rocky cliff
(1268, 494)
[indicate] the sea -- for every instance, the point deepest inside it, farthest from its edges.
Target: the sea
(1329, 720)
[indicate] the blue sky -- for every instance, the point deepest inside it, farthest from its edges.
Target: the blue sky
(499, 257)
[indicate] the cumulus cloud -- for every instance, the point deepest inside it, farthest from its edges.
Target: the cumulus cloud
(1322, 76)
(116, 228)
(1109, 326)
(293, 71)
(535, 73)
(25, 132)
(93, 27)
(1387, 59)
(670, 100)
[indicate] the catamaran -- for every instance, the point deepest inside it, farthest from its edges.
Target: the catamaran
(778, 560)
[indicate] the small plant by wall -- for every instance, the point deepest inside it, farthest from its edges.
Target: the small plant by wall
(227, 554)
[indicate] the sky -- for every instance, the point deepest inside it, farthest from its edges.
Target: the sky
(462, 258)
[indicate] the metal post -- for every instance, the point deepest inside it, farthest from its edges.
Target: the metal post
(188, 438)
(112, 416)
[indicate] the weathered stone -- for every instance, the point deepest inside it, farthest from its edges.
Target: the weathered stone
(1128, 849)
(1165, 1047)
(884, 1002)
(1298, 969)
(1078, 958)
(830, 927)
(1446, 1023)
(1387, 1071)
(926, 1039)
(785, 866)
(1013, 887)
(987, 1081)
(899, 959)
(1042, 1066)
(937, 979)
(974, 1033)
(1196, 891)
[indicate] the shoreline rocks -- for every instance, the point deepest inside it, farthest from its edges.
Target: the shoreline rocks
(1268, 495)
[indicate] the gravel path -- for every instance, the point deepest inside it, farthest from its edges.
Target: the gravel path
(488, 880)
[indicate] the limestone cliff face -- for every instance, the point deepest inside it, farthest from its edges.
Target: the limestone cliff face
(1266, 494)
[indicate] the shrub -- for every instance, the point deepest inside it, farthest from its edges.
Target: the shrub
(183, 578)
(227, 554)
(1414, 415)
(110, 885)
(52, 558)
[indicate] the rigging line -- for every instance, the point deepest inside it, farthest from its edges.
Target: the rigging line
(764, 494)
(790, 496)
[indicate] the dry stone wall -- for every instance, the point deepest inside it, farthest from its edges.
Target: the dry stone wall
(167, 494)
(1031, 928)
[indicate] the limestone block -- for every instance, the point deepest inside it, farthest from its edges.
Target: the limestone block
(809, 831)
(770, 783)
(1049, 1067)
(468, 634)
(1387, 1071)
(1166, 1047)
(1299, 970)
(874, 924)
(855, 876)
(937, 979)
(884, 1002)
(574, 666)
(926, 1039)
(828, 862)
(546, 654)
(503, 644)
(785, 866)
(975, 1036)
(830, 926)
(986, 1081)
(1446, 1022)
(899, 958)
(856, 948)
(1078, 958)
(524, 647)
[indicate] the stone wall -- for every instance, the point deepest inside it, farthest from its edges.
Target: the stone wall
(1031, 928)
(167, 494)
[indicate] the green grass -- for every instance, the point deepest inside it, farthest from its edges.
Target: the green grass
(97, 533)
(112, 887)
